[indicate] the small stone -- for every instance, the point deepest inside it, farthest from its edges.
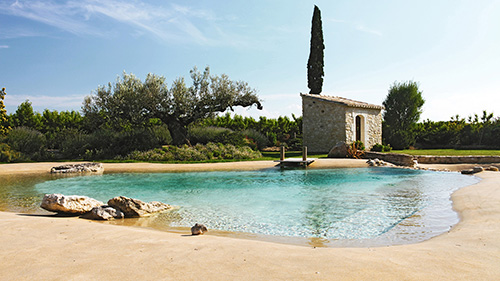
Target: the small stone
(104, 212)
(477, 169)
(492, 169)
(472, 171)
(198, 229)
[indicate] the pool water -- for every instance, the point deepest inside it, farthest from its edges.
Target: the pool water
(334, 204)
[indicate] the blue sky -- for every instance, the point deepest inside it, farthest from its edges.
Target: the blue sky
(55, 53)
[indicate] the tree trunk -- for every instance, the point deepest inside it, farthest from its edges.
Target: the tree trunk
(178, 131)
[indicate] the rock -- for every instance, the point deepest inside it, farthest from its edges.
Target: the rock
(477, 169)
(198, 229)
(338, 151)
(376, 162)
(472, 171)
(104, 212)
(136, 208)
(78, 168)
(73, 204)
(492, 169)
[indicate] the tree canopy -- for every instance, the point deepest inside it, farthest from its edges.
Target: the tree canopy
(26, 117)
(403, 106)
(131, 103)
(315, 63)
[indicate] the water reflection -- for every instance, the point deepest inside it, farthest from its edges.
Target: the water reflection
(402, 201)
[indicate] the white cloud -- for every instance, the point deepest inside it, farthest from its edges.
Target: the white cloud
(173, 22)
(39, 103)
(4, 47)
(363, 28)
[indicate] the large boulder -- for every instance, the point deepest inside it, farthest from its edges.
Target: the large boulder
(78, 168)
(74, 204)
(136, 208)
(103, 213)
(339, 150)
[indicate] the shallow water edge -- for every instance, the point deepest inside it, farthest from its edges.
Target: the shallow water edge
(26, 206)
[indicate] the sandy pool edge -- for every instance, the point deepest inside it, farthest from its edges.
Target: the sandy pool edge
(53, 248)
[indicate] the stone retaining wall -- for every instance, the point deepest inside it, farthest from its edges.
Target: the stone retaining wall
(457, 159)
(407, 160)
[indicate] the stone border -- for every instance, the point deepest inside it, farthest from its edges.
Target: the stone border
(425, 159)
(78, 168)
(410, 160)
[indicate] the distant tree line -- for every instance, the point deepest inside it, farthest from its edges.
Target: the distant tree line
(130, 117)
(474, 132)
(401, 129)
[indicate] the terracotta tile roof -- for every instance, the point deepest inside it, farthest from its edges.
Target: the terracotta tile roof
(344, 101)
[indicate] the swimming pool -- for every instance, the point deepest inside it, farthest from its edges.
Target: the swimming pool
(361, 204)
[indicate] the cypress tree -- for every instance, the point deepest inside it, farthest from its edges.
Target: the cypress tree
(315, 63)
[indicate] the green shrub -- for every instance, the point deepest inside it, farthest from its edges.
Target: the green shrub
(27, 141)
(7, 154)
(75, 144)
(359, 145)
(161, 134)
(108, 144)
(255, 138)
(356, 150)
(381, 148)
(205, 135)
(199, 152)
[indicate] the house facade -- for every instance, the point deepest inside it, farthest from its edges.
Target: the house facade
(329, 120)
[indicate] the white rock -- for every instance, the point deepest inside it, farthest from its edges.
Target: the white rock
(78, 168)
(73, 204)
(103, 213)
(136, 208)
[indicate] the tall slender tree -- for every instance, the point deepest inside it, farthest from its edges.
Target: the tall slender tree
(315, 63)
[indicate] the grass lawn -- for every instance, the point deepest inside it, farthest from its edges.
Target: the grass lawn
(448, 152)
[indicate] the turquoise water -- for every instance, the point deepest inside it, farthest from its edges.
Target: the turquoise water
(331, 204)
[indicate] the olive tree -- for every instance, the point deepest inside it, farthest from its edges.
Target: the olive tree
(403, 106)
(130, 103)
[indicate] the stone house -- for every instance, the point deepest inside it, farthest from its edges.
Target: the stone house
(329, 120)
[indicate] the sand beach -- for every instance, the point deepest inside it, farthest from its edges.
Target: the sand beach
(37, 247)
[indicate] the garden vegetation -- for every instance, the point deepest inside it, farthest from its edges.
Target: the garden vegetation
(110, 128)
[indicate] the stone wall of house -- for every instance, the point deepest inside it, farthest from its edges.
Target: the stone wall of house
(371, 120)
(323, 124)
